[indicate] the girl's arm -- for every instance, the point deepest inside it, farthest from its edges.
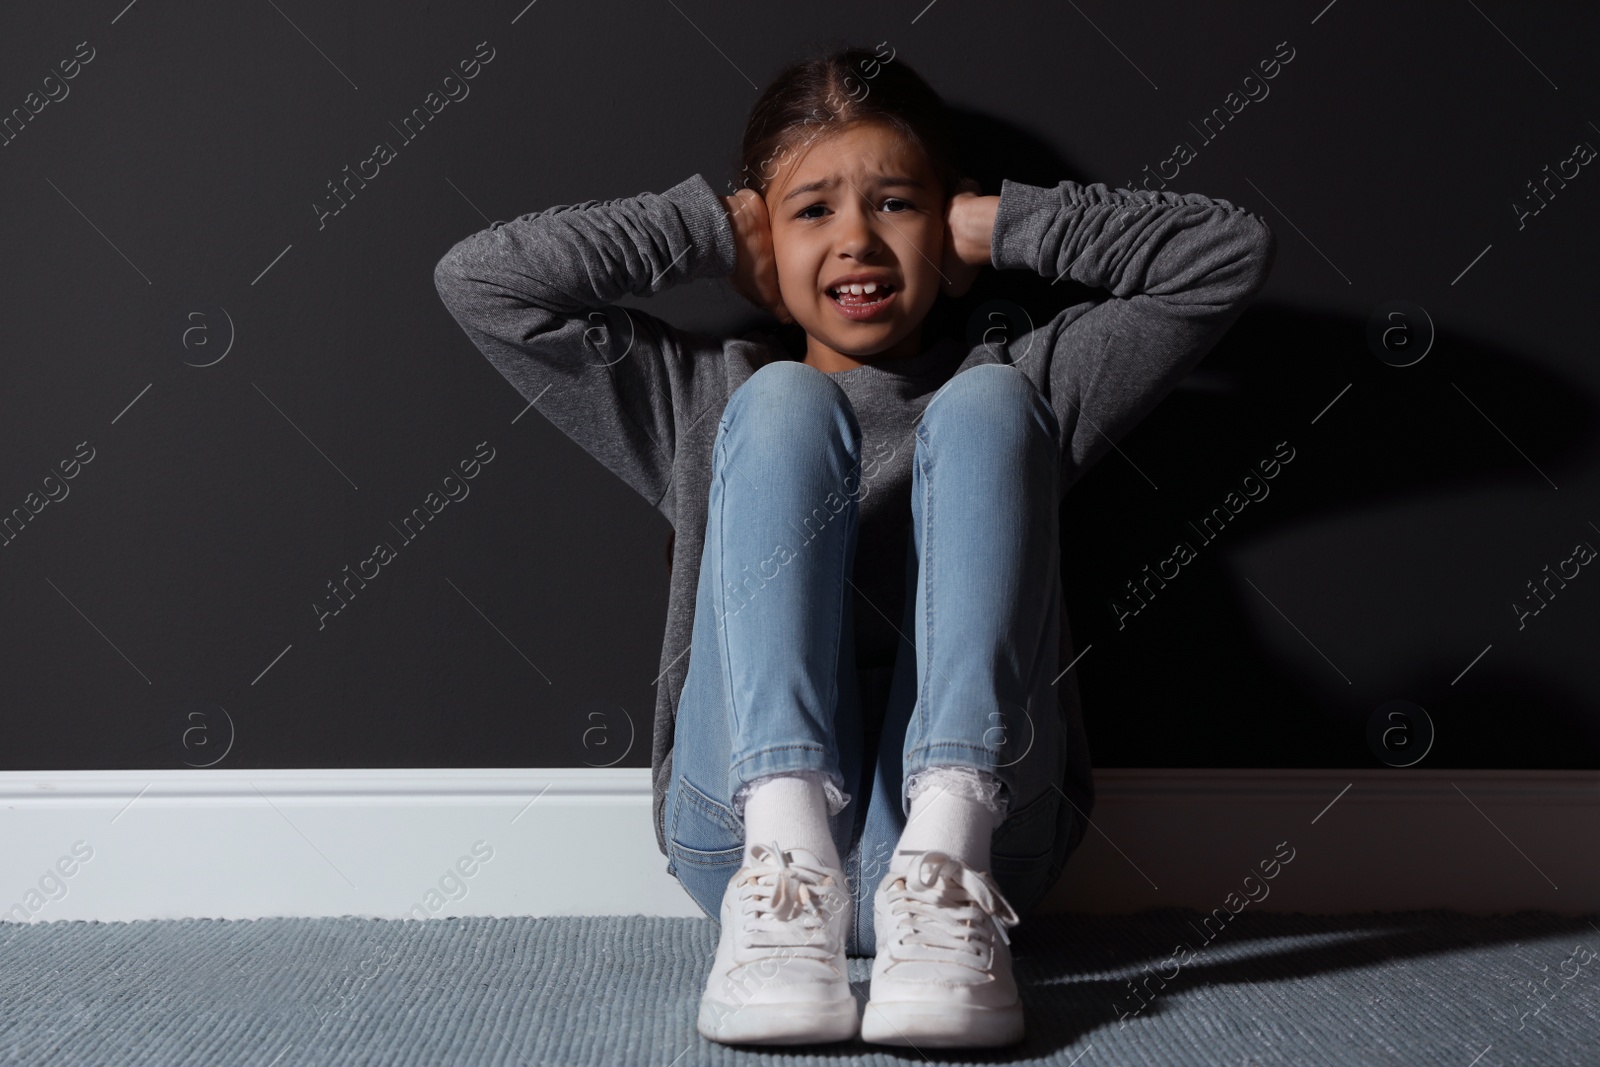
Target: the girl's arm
(1180, 269)
(535, 295)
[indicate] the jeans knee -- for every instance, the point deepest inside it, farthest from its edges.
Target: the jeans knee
(787, 402)
(999, 397)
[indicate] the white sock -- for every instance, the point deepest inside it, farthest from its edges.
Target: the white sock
(954, 810)
(792, 810)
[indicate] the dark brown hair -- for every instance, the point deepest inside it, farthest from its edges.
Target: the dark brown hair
(826, 94)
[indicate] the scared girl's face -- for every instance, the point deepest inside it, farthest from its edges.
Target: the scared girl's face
(856, 208)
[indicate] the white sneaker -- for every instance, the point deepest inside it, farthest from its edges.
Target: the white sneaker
(779, 977)
(942, 978)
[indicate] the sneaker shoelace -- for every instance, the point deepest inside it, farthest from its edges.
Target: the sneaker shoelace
(786, 905)
(945, 910)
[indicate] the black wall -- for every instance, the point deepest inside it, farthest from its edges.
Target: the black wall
(249, 388)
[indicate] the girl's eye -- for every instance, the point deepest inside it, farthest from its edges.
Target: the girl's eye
(905, 204)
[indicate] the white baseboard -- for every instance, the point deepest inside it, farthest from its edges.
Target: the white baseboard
(252, 844)
(248, 844)
(1482, 842)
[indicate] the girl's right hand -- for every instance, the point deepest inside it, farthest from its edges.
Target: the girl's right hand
(755, 273)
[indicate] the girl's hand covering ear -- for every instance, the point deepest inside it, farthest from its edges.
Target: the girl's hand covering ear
(755, 273)
(969, 230)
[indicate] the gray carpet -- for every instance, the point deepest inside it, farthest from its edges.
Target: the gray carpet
(1413, 989)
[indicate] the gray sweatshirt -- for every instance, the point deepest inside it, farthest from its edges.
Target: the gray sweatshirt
(536, 294)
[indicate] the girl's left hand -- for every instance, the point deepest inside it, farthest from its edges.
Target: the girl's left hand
(969, 231)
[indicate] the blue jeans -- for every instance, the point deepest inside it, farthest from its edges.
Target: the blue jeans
(772, 684)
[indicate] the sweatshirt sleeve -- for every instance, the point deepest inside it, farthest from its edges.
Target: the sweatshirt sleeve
(536, 296)
(1180, 268)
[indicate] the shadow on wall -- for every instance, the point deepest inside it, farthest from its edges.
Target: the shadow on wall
(1399, 439)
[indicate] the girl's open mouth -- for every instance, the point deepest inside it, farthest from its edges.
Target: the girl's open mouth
(862, 306)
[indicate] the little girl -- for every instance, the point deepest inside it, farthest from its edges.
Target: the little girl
(869, 578)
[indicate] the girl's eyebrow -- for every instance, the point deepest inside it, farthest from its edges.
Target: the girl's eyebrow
(828, 183)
